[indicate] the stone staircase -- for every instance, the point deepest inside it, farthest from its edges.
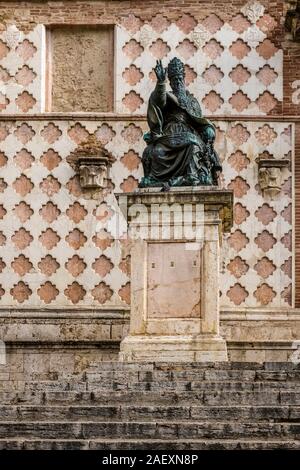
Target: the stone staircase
(156, 407)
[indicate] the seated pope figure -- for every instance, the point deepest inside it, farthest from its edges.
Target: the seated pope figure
(179, 148)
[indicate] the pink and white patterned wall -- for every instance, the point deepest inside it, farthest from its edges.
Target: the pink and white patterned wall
(51, 252)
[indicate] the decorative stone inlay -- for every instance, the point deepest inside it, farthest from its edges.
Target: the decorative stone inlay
(267, 75)
(238, 240)
(213, 75)
(159, 23)
(132, 23)
(265, 214)
(3, 159)
(103, 240)
(50, 186)
(49, 238)
(237, 294)
(22, 238)
(253, 10)
(264, 294)
(266, 102)
(25, 101)
(129, 184)
(77, 212)
(75, 265)
(23, 211)
(124, 293)
(102, 293)
(48, 265)
(240, 23)
(26, 50)
(78, 133)
(23, 159)
(266, 49)
(186, 23)
(49, 212)
(50, 159)
(4, 50)
(239, 101)
(200, 36)
(238, 267)
(239, 161)
(212, 23)
(20, 292)
(240, 75)
(131, 160)
(75, 292)
(132, 101)
(132, 75)
(24, 133)
(48, 292)
(76, 239)
(239, 49)
(264, 267)
(240, 213)
(133, 49)
(239, 186)
(51, 133)
(21, 265)
(23, 185)
(186, 49)
(265, 241)
(25, 76)
(102, 266)
(213, 49)
(238, 134)
(212, 101)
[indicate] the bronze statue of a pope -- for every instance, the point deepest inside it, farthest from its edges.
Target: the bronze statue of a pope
(180, 143)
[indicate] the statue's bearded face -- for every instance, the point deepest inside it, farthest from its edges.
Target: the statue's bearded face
(177, 83)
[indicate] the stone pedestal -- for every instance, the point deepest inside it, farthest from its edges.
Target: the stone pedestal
(175, 256)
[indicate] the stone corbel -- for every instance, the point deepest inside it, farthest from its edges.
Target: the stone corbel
(92, 162)
(292, 19)
(269, 175)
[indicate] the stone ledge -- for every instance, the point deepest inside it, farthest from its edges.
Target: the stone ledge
(248, 314)
(83, 329)
(136, 117)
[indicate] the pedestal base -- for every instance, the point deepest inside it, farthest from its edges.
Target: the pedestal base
(175, 262)
(173, 349)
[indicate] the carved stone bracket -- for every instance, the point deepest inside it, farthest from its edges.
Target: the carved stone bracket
(92, 162)
(269, 175)
(292, 20)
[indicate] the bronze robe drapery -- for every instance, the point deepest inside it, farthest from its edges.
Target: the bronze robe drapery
(178, 149)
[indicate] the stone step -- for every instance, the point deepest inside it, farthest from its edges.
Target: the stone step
(149, 430)
(74, 382)
(187, 366)
(80, 413)
(191, 386)
(197, 444)
(283, 397)
(156, 386)
(196, 375)
(150, 444)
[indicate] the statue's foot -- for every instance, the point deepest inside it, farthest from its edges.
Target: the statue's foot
(165, 187)
(150, 182)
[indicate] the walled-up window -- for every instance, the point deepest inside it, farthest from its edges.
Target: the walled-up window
(80, 68)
